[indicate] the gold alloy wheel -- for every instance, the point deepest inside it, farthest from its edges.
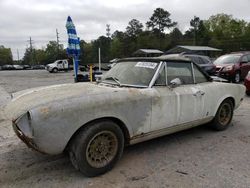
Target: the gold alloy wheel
(102, 149)
(225, 114)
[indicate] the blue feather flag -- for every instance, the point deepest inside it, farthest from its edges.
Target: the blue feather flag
(73, 49)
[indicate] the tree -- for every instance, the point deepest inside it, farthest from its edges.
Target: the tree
(176, 37)
(225, 26)
(195, 23)
(134, 28)
(226, 32)
(41, 57)
(160, 20)
(54, 52)
(5, 55)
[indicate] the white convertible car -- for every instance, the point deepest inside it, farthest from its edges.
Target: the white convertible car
(137, 100)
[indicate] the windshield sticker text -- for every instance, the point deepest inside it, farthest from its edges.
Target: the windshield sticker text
(148, 65)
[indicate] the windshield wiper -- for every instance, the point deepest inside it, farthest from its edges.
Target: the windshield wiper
(114, 79)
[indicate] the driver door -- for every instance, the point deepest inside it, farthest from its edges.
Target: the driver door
(179, 105)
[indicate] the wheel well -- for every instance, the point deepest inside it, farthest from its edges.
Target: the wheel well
(115, 120)
(231, 99)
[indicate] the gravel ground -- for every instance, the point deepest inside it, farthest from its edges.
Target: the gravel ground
(198, 157)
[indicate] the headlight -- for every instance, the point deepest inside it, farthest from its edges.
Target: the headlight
(228, 68)
(24, 124)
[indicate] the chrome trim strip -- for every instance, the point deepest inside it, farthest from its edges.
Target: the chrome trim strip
(169, 130)
(155, 75)
(193, 73)
(126, 85)
(166, 72)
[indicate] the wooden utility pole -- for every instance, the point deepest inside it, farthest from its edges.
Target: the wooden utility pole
(57, 41)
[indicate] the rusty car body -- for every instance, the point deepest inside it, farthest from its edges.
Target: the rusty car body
(93, 121)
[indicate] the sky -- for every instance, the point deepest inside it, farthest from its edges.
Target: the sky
(39, 19)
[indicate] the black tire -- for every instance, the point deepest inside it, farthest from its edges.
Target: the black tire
(223, 116)
(237, 77)
(55, 70)
(97, 144)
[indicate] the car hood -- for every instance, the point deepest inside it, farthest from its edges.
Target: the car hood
(24, 101)
(223, 65)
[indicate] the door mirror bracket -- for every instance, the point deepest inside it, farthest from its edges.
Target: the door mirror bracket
(175, 82)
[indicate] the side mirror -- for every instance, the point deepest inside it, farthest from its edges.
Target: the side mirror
(175, 82)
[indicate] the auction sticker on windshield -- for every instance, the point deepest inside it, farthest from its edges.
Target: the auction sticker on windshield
(148, 65)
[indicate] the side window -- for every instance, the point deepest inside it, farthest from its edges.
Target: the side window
(203, 60)
(199, 76)
(161, 80)
(194, 59)
(183, 71)
(248, 57)
(59, 62)
(244, 59)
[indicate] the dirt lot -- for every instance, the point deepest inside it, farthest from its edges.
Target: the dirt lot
(198, 157)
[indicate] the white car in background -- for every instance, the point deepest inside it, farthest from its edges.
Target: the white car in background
(137, 100)
(58, 65)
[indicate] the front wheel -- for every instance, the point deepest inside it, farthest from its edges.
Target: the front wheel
(55, 70)
(97, 148)
(223, 116)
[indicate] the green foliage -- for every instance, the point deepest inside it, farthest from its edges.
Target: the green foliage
(160, 20)
(5, 55)
(45, 56)
(220, 31)
(134, 28)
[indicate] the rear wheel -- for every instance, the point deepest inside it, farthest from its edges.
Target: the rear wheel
(223, 116)
(97, 148)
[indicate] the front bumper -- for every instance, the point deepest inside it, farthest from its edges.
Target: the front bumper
(48, 68)
(27, 140)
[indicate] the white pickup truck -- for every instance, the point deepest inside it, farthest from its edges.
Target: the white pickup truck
(58, 65)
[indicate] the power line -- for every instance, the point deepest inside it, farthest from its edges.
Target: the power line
(57, 41)
(31, 50)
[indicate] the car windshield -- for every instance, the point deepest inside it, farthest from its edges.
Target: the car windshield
(227, 59)
(132, 73)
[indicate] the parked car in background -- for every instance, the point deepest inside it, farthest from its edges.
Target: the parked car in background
(203, 61)
(247, 83)
(18, 67)
(26, 67)
(8, 67)
(137, 100)
(233, 67)
(38, 67)
(58, 65)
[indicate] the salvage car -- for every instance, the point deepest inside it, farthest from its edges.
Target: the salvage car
(136, 100)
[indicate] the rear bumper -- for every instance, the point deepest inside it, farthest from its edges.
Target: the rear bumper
(247, 84)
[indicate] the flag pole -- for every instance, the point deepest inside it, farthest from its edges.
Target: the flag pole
(75, 61)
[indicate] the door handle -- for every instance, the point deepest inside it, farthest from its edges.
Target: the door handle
(199, 93)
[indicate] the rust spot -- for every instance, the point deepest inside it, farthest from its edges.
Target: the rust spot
(132, 91)
(45, 111)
